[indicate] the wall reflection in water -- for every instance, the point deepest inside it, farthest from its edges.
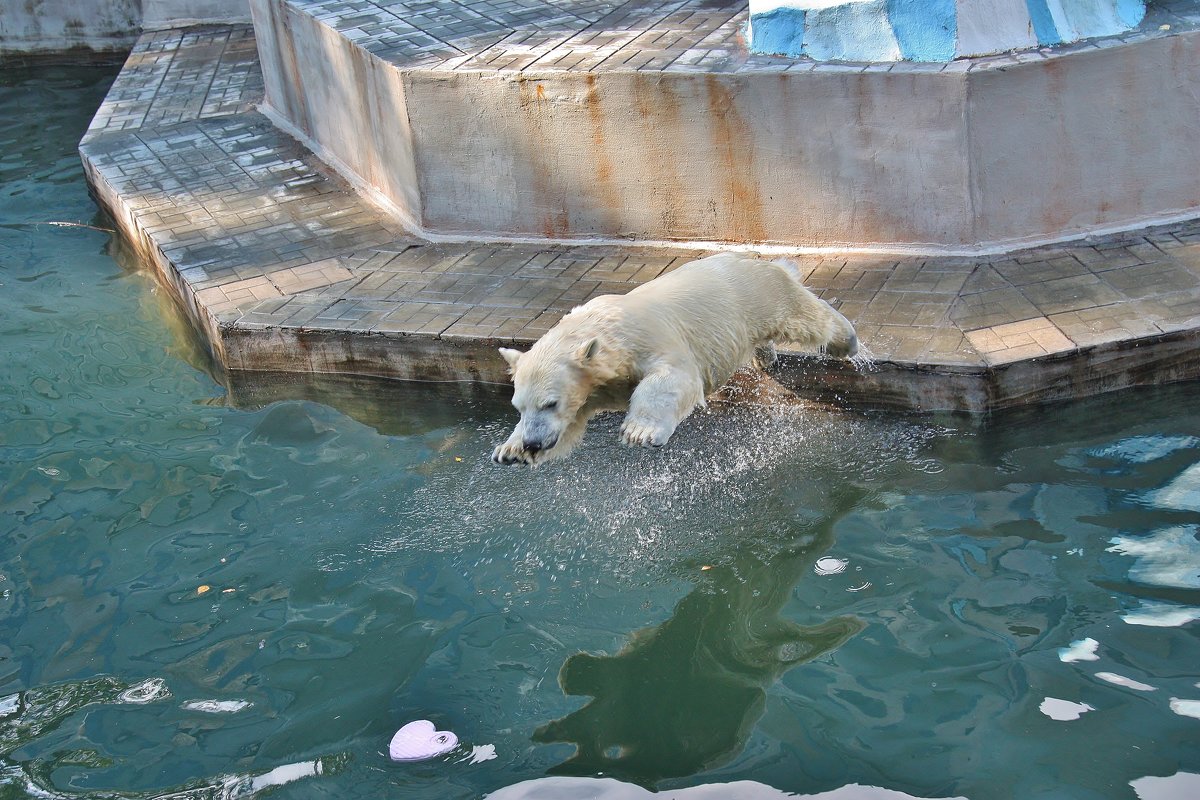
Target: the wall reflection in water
(685, 696)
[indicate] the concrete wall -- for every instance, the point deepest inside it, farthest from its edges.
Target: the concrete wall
(33, 26)
(1072, 144)
(839, 157)
(753, 158)
(160, 14)
(327, 91)
(1022, 150)
(42, 25)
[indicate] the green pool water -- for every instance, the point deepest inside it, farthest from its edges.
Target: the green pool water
(803, 598)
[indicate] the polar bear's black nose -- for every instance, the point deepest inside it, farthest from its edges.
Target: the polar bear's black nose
(536, 444)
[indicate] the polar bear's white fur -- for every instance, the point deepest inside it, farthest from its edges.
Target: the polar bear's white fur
(659, 350)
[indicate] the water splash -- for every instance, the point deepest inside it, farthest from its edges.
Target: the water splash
(640, 512)
(864, 360)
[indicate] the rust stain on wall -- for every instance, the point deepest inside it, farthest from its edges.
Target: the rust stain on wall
(547, 202)
(882, 209)
(735, 151)
(608, 195)
(864, 220)
(1065, 173)
(658, 110)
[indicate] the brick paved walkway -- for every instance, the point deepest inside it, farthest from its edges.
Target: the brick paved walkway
(606, 35)
(543, 35)
(259, 238)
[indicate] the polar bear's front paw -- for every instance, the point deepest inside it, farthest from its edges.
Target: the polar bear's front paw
(512, 453)
(641, 434)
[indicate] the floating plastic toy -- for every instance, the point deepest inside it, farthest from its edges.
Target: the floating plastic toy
(420, 741)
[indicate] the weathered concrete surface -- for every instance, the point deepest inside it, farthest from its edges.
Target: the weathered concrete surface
(980, 24)
(1105, 138)
(743, 158)
(1069, 375)
(326, 89)
(560, 137)
(161, 14)
(30, 26)
(281, 266)
(46, 26)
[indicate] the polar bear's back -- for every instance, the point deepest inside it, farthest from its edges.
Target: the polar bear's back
(715, 310)
(723, 288)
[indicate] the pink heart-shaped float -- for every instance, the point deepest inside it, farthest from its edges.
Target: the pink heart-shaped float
(419, 740)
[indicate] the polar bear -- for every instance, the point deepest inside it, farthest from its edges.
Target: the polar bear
(659, 350)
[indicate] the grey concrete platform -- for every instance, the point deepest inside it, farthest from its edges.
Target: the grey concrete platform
(282, 266)
(649, 120)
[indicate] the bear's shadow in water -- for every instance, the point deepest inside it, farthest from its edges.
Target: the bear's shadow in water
(684, 697)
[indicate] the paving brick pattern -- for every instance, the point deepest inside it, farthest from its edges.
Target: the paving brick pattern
(544, 35)
(605, 35)
(263, 235)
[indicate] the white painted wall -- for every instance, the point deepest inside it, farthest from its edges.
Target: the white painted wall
(985, 26)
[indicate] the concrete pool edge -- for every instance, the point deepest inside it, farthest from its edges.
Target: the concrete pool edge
(281, 265)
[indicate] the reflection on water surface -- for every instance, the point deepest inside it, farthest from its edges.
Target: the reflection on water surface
(212, 593)
(684, 696)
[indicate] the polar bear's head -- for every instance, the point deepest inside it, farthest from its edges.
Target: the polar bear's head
(552, 383)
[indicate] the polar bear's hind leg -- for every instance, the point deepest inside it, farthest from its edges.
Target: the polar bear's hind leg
(765, 356)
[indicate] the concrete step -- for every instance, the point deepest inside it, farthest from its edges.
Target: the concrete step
(283, 266)
(649, 120)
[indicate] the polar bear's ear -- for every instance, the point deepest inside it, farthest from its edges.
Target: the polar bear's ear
(587, 351)
(511, 356)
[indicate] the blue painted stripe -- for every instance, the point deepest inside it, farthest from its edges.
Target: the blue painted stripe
(779, 32)
(925, 29)
(1131, 12)
(1043, 23)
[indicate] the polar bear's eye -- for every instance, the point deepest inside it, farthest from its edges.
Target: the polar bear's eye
(550, 406)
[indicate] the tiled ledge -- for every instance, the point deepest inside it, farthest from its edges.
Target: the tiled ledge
(283, 267)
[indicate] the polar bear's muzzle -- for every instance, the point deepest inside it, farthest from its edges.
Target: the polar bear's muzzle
(538, 436)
